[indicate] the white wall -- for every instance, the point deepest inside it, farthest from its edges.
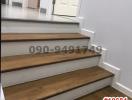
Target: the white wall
(112, 22)
(47, 4)
(1, 93)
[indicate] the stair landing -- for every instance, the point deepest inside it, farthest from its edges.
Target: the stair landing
(32, 15)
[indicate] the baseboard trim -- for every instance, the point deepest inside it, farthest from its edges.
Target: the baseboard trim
(122, 89)
(88, 33)
(116, 71)
(111, 68)
(115, 84)
(103, 63)
(81, 21)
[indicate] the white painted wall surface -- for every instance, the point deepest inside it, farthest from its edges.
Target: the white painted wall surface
(1, 93)
(112, 22)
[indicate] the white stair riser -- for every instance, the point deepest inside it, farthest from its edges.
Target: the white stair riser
(26, 75)
(81, 91)
(19, 48)
(36, 27)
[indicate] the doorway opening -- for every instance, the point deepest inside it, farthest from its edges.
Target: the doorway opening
(34, 4)
(66, 7)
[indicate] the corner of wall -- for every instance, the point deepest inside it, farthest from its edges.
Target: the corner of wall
(88, 33)
(104, 64)
(1, 93)
(116, 71)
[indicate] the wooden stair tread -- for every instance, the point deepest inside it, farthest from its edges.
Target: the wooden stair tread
(40, 36)
(105, 92)
(33, 60)
(44, 88)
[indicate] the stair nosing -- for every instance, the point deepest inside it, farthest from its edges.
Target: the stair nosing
(110, 75)
(75, 87)
(79, 86)
(61, 61)
(40, 39)
(38, 21)
(24, 40)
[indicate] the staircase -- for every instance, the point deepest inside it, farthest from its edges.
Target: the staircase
(34, 75)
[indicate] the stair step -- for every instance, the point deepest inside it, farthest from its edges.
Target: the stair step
(33, 60)
(100, 94)
(11, 78)
(61, 21)
(37, 27)
(20, 43)
(45, 88)
(6, 37)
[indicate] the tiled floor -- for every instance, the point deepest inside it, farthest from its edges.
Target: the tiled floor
(9, 12)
